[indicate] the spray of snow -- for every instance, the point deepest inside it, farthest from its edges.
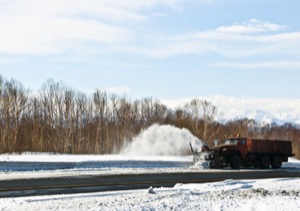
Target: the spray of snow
(162, 140)
(201, 163)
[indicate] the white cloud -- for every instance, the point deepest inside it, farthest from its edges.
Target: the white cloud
(169, 49)
(144, 5)
(110, 10)
(250, 38)
(54, 35)
(54, 26)
(250, 27)
(263, 65)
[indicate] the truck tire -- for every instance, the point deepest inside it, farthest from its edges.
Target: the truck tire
(276, 162)
(246, 164)
(216, 162)
(256, 163)
(265, 162)
(235, 162)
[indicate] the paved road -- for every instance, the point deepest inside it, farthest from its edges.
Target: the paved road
(92, 183)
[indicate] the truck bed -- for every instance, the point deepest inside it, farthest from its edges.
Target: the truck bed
(279, 147)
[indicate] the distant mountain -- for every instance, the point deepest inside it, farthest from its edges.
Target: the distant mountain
(263, 111)
(263, 117)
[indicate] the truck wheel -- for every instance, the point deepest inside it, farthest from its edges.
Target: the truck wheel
(246, 164)
(265, 162)
(235, 162)
(256, 163)
(276, 162)
(216, 164)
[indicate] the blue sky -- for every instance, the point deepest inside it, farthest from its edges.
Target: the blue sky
(169, 50)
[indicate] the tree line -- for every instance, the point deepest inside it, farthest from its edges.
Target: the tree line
(60, 120)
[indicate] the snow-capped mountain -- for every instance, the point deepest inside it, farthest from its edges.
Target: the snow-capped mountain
(263, 117)
(263, 111)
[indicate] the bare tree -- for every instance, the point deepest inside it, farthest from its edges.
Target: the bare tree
(202, 115)
(59, 119)
(101, 114)
(14, 101)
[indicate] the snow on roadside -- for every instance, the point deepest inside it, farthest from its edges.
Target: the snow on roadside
(49, 157)
(266, 194)
(39, 165)
(43, 165)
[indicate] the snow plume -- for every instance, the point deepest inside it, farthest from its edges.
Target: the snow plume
(162, 140)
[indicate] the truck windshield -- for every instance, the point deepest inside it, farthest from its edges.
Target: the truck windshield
(231, 141)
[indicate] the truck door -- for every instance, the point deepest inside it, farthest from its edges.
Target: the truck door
(243, 148)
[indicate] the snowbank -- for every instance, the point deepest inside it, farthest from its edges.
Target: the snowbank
(267, 194)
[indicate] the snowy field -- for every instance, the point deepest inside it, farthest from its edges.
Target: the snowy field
(29, 165)
(265, 194)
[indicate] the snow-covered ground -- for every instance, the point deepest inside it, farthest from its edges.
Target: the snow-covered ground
(266, 194)
(160, 143)
(30, 165)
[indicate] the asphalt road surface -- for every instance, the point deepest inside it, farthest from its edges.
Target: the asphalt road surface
(108, 182)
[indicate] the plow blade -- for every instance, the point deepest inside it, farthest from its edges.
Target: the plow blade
(201, 155)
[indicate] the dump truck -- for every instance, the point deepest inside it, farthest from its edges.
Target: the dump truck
(239, 151)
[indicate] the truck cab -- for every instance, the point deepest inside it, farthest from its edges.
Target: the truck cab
(231, 145)
(231, 152)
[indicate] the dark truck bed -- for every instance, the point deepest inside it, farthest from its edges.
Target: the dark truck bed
(271, 147)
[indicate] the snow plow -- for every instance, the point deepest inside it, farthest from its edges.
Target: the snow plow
(237, 152)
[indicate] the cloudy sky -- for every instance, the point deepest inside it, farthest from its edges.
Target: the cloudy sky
(168, 49)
